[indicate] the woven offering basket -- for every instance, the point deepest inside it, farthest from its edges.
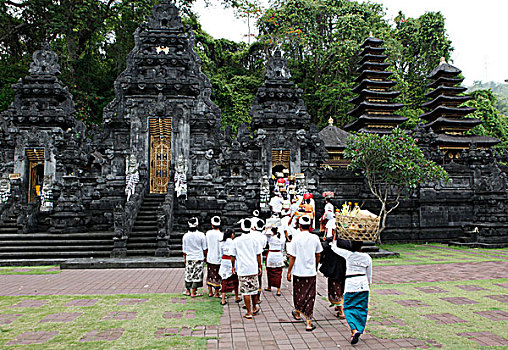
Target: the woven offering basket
(357, 229)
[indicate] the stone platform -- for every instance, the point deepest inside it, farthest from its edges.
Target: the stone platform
(122, 263)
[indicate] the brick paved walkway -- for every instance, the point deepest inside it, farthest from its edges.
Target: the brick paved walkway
(140, 281)
(274, 328)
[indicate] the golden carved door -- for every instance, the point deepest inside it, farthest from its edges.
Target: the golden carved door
(280, 159)
(160, 154)
(35, 172)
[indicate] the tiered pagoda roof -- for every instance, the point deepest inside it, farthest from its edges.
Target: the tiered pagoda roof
(374, 107)
(446, 117)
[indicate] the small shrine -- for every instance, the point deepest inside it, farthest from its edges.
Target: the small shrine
(374, 109)
(447, 117)
(334, 139)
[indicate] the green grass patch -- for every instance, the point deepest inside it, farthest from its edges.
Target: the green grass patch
(139, 332)
(424, 254)
(29, 270)
(384, 307)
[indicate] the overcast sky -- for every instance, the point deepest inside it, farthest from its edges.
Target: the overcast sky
(478, 31)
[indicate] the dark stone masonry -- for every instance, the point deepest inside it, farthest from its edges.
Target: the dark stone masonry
(162, 155)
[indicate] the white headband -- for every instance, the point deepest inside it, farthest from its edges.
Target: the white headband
(193, 222)
(216, 221)
(304, 220)
(245, 224)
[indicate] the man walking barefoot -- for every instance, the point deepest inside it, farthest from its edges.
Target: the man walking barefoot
(304, 254)
(246, 253)
(194, 252)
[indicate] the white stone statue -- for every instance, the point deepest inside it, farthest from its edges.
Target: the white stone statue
(5, 189)
(181, 177)
(47, 194)
(132, 175)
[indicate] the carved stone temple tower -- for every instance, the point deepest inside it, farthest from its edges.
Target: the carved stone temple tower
(162, 123)
(44, 149)
(280, 137)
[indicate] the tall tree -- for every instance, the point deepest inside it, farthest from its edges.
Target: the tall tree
(494, 123)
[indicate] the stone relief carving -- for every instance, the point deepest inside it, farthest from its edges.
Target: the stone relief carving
(132, 175)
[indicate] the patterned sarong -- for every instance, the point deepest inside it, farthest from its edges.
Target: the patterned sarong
(335, 291)
(230, 284)
(304, 295)
(213, 278)
(194, 271)
(249, 285)
(356, 307)
(274, 276)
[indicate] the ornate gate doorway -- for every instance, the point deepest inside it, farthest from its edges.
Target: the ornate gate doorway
(35, 172)
(280, 160)
(160, 154)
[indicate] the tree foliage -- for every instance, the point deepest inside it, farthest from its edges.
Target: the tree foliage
(320, 39)
(494, 123)
(392, 164)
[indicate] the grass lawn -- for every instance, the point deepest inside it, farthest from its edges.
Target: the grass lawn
(29, 270)
(435, 253)
(390, 319)
(178, 321)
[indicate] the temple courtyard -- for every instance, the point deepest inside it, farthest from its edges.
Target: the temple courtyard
(432, 296)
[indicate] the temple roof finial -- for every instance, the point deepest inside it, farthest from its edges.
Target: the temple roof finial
(330, 121)
(371, 35)
(443, 60)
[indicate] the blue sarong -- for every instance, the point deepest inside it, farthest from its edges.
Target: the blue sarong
(356, 307)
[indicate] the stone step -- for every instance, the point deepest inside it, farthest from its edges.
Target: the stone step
(79, 235)
(4, 230)
(31, 262)
(47, 242)
(141, 252)
(145, 222)
(142, 228)
(54, 248)
(46, 254)
(123, 263)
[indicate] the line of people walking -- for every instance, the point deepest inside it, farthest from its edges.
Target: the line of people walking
(235, 265)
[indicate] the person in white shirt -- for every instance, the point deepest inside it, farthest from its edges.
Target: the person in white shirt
(194, 252)
(304, 254)
(356, 290)
(295, 203)
(229, 279)
(274, 259)
(324, 219)
(257, 227)
(330, 226)
(276, 204)
(213, 258)
(246, 261)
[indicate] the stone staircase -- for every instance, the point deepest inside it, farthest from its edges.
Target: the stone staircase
(10, 226)
(18, 249)
(143, 237)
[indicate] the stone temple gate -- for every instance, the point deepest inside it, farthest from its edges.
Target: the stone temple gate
(163, 156)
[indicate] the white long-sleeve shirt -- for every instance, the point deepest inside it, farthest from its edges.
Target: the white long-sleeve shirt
(356, 264)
